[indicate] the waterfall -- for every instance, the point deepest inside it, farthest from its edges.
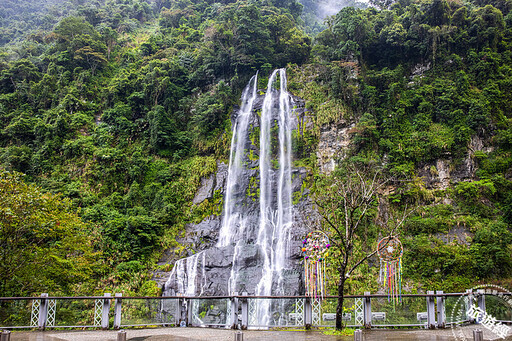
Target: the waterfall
(252, 248)
(275, 198)
(284, 187)
(185, 272)
(233, 220)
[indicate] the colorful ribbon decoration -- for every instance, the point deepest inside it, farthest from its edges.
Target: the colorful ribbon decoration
(390, 251)
(315, 250)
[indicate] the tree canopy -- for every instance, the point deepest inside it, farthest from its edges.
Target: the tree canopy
(44, 245)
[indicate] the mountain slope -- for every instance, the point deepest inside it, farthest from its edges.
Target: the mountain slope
(124, 108)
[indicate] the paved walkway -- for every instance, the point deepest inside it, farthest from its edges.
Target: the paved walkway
(199, 334)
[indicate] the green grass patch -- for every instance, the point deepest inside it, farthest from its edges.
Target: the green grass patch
(343, 332)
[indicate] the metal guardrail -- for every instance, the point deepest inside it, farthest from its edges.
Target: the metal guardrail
(235, 311)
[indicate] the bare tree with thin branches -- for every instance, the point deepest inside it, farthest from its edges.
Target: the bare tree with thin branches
(347, 201)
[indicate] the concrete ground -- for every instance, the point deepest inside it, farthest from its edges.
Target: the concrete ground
(197, 334)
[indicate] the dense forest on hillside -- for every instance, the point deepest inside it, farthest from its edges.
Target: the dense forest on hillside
(122, 106)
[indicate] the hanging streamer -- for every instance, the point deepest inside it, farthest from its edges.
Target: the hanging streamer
(390, 252)
(315, 250)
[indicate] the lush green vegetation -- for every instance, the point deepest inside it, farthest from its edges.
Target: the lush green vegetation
(122, 106)
(40, 230)
(423, 82)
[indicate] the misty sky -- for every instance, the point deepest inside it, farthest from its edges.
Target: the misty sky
(327, 8)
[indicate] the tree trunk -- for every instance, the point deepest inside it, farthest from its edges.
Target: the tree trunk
(339, 308)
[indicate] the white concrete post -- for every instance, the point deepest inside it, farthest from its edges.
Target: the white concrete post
(471, 300)
(233, 319)
(308, 313)
(117, 311)
(5, 336)
(105, 311)
(367, 310)
(177, 314)
(121, 335)
(431, 310)
(245, 311)
(43, 311)
(358, 335)
(481, 302)
(188, 311)
(441, 317)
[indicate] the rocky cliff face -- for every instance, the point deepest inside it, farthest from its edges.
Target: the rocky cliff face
(442, 173)
(333, 144)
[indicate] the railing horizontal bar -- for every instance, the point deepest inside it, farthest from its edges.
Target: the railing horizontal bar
(333, 324)
(172, 297)
(398, 325)
(459, 322)
(206, 325)
(224, 297)
(351, 296)
(55, 297)
(80, 298)
(48, 327)
(77, 326)
(284, 326)
(146, 324)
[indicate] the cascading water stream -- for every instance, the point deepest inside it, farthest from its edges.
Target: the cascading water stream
(185, 272)
(233, 221)
(274, 224)
(284, 187)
